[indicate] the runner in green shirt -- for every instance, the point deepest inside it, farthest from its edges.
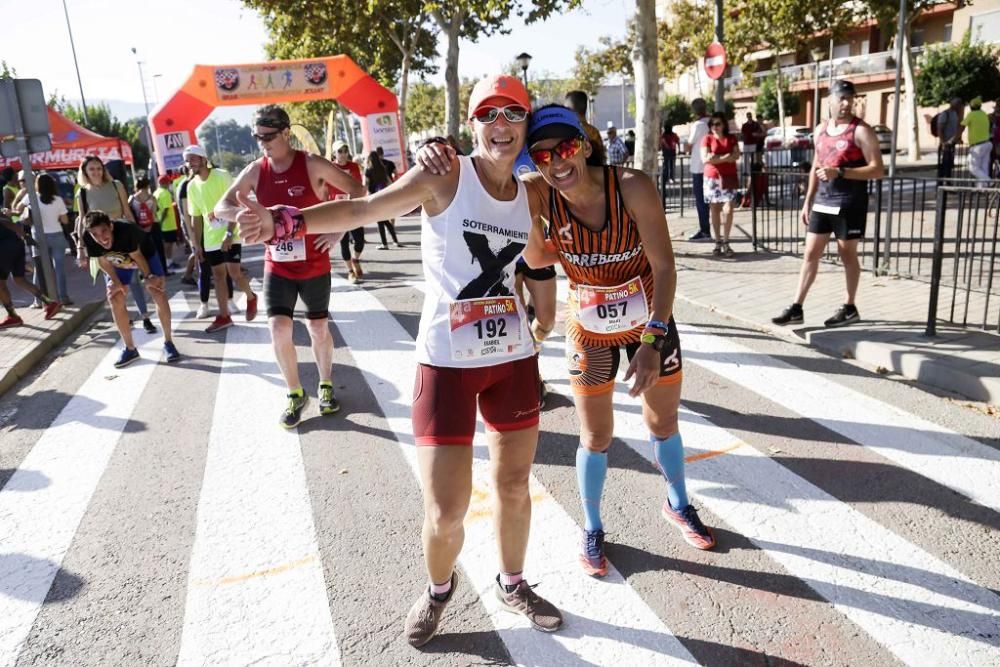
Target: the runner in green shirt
(216, 241)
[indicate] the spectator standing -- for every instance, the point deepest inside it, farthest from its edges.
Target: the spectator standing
(578, 101)
(166, 215)
(719, 152)
(697, 134)
(51, 217)
(377, 178)
(753, 137)
(668, 151)
(617, 151)
(12, 266)
(630, 145)
(980, 146)
(947, 125)
(144, 205)
(342, 160)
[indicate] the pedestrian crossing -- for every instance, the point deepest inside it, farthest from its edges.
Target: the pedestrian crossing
(264, 584)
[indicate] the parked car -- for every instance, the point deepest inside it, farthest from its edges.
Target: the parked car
(884, 136)
(789, 146)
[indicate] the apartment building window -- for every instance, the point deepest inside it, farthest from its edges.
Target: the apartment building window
(947, 33)
(986, 26)
(917, 37)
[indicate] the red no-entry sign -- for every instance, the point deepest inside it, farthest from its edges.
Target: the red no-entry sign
(715, 60)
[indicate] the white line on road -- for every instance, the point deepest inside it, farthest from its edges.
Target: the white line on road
(607, 622)
(921, 609)
(930, 450)
(37, 528)
(256, 592)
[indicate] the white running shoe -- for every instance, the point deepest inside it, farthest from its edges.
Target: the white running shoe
(233, 308)
(203, 311)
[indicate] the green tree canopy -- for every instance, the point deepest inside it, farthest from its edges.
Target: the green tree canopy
(675, 110)
(967, 69)
(233, 137)
(767, 101)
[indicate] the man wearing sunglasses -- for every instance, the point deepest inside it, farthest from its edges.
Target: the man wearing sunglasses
(296, 269)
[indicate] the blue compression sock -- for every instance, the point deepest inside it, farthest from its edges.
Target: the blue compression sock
(591, 469)
(669, 454)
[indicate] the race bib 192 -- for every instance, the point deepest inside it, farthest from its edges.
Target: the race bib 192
(485, 329)
(609, 310)
(293, 250)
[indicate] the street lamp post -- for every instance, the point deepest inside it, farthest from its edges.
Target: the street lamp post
(79, 81)
(524, 60)
(145, 103)
(156, 91)
(817, 54)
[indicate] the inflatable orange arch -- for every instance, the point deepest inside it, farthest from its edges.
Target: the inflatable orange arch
(335, 77)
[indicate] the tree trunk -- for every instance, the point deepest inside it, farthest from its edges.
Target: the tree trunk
(779, 93)
(404, 87)
(910, 85)
(647, 82)
(451, 26)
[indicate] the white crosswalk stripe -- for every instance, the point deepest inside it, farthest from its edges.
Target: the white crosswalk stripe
(918, 607)
(36, 528)
(256, 587)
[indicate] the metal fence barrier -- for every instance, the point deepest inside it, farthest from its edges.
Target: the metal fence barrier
(964, 260)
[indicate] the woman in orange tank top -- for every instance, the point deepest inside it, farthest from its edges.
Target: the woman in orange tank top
(607, 230)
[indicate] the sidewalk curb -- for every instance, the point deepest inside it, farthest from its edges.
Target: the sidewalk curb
(56, 336)
(901, 360)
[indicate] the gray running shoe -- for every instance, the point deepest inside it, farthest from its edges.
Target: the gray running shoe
(542, 614)
(425, 615)
(292, 415)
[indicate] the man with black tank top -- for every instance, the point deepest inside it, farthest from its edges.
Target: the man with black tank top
(298, 268)
(847, 157)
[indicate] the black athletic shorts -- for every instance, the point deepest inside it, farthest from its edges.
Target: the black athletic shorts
(170, 237)
(544, 273)
(232, 256)
(281, 295)
(11, 259)
(593, 368)
(848, 224)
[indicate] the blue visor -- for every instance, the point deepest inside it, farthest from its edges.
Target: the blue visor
(554, 121)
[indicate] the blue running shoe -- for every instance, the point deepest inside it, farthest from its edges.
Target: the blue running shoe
(592, 558)
(128, 355)
(170, 350)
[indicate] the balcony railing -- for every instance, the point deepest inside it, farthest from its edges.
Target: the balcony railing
(871, 63)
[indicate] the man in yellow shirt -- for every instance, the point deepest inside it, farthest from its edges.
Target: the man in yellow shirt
(980, 147)
(216, 241)
(167, 217)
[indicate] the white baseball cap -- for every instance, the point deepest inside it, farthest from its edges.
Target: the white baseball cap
(195, 149)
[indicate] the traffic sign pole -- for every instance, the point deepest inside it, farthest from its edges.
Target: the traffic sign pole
(11, 111)
(720, 86)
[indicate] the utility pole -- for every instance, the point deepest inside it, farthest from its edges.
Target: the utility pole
(720, 86)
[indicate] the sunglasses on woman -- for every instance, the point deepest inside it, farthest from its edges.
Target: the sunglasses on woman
(564, 149)
(487, 115)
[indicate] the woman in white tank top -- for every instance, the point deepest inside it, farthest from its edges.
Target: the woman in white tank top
(474, 349)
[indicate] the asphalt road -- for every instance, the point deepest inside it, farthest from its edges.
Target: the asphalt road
(157, 515)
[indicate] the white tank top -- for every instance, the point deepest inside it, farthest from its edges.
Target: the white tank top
(471, 318)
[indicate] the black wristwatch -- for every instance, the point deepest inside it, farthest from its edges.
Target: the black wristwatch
(840, 172)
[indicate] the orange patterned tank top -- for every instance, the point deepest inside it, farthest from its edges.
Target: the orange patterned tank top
(610, 280)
